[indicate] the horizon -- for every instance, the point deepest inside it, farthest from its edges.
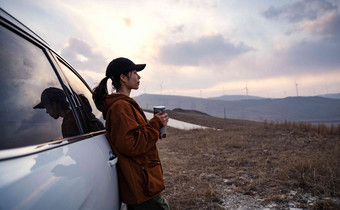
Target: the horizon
(245, 96)
(270, 49)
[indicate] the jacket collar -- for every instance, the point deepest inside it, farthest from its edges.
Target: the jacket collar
(112, 98)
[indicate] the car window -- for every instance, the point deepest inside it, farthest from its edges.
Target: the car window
(25, 74)
(92, 119)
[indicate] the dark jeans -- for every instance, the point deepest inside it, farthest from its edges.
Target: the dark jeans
(156, 203)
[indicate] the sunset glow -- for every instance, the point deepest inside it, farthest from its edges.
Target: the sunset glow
(202, 48)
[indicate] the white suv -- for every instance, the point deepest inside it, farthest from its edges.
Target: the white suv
(53, 150)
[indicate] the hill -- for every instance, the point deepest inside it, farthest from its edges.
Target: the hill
(235, 97)
(333, 95)
(310, 109)
(185, 111)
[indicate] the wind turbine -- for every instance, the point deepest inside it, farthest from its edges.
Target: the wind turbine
(297, 89)
(246, 88)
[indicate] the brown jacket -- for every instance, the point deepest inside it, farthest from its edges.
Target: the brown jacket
(134, 141)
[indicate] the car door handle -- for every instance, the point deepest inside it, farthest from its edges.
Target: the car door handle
(113, 162)
(113, 159)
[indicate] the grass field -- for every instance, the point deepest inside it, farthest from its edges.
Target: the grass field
(249, 165)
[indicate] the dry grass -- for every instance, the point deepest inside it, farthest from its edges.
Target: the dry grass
(319, 129)
(262, 160)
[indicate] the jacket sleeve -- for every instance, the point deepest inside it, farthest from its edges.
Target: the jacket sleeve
(131, 137)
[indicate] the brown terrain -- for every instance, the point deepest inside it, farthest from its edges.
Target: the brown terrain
(250, 165)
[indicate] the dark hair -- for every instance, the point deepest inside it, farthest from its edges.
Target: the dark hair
(100, 91)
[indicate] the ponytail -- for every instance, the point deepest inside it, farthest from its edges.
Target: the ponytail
(100, 91)
(99, 94)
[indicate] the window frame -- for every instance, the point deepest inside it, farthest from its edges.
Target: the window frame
(51, 56)
(75, 98)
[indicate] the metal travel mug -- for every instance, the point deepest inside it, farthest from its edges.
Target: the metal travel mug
(157, 109)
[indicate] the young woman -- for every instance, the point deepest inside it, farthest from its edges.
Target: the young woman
(132, 137)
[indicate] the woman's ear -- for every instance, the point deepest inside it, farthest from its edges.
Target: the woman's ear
(123, 78)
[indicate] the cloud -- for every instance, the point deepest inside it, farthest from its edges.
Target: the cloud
(127, 22)
(329, 25)
(322, 54)
(82, 56)
(317, 17)
(176, 29)
(307, 55)
(300, 11)
(197, 4)
(207, 50)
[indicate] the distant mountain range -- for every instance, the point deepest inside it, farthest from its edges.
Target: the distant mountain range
(333, 95)
(245, 97)
(310, 109)
(235, 97)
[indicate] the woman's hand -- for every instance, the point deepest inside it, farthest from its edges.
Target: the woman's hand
(164, 117)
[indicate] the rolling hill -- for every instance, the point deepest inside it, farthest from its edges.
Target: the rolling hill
(333, 96)
(311, 109)
(235, 97)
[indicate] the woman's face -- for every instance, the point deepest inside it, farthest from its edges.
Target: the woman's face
(133, 80)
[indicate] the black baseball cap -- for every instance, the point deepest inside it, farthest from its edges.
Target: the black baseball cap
(51, 94)
(122, 65)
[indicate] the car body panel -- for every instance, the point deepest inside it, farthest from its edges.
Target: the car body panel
(74, 176)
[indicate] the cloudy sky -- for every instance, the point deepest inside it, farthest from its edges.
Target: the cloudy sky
(200, 48)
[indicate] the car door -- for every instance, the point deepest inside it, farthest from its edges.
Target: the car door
(92, 122)
(43, 163)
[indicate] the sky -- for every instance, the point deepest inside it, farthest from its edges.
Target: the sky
(198, 48)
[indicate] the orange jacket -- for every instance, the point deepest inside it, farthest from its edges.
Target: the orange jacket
(133, 140)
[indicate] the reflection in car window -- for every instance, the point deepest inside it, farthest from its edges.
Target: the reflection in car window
(92, 119)
(25, 73)
(53, 100)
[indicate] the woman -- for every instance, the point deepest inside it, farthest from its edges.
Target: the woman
(132, 137)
